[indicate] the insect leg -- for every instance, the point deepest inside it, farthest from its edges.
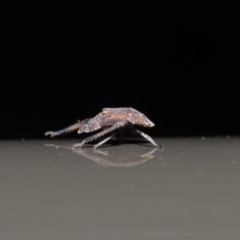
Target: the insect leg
(105, 140)
(86, 140)
(148, 138)
(68, 129)
(100, 134)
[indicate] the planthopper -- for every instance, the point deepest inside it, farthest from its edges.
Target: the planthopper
(110, 120)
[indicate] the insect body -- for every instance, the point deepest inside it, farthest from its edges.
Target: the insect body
(110, 119)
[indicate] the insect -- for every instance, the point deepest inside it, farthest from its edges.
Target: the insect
(110, 120)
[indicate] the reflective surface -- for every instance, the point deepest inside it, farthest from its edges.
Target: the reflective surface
(188, 190)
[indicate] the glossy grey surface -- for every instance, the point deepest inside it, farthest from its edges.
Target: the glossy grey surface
(190, 190)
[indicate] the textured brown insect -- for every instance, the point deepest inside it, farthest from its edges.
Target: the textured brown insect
(110, 119)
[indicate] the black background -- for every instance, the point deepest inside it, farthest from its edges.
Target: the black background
(177, 64)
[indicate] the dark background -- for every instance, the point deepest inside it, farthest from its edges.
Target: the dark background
(177, 64)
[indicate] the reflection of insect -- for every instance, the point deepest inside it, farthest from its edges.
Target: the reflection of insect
(110, 119)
